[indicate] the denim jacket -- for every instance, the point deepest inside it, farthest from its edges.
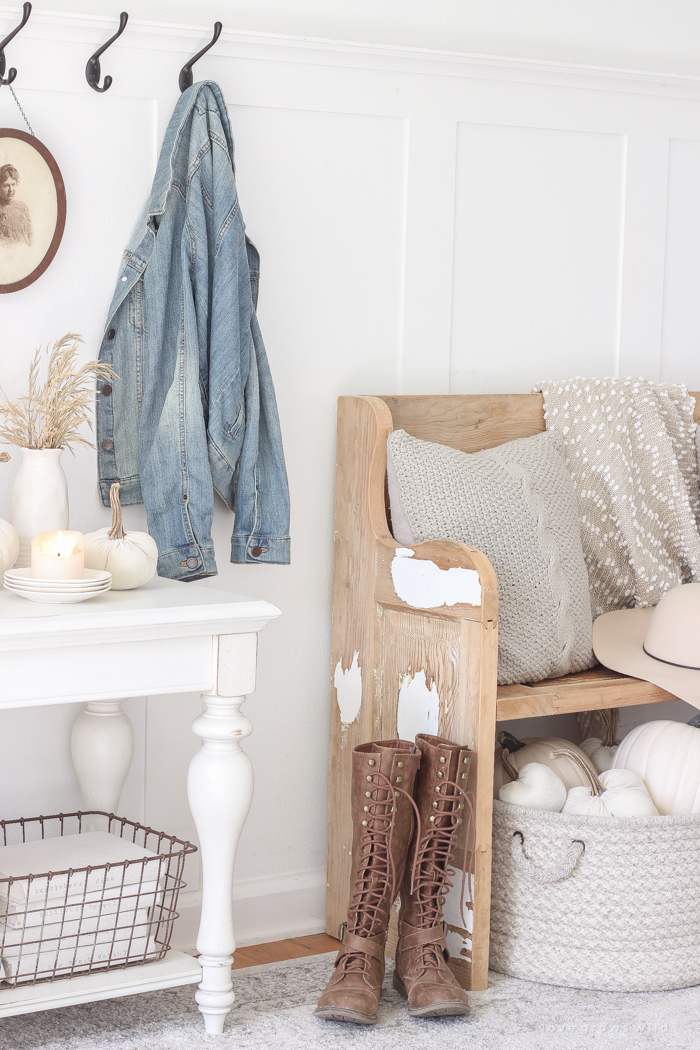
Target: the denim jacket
(193, 410)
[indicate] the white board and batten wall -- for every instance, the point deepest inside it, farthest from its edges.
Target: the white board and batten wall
(427, 223)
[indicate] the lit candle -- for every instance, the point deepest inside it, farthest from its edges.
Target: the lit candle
(58, 556)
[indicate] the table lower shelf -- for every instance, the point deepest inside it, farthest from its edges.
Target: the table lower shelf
(175, 969)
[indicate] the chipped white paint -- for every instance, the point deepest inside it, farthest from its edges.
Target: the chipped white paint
(451, 910)
(419, 707)
(458, 945)
(424, 585)
(348, 690)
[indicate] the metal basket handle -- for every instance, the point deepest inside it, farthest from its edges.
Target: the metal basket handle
(558, 872)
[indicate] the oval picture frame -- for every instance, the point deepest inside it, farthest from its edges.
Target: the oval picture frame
(32, 209)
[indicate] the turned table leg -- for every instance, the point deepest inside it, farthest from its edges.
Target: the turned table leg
(220, 790)
(102, 748)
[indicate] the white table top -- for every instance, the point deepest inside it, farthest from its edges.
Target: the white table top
(160, 609)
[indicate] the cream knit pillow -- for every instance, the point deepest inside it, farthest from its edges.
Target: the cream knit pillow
(517, 504)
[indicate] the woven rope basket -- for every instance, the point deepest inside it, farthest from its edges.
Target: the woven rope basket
(594, 902)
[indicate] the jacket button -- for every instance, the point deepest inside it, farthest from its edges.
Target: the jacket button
(107, 445)
(106, 389)
(192, 563)
(111, 333)
(256, 552)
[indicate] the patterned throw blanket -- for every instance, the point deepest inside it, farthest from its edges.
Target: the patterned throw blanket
(630, 448)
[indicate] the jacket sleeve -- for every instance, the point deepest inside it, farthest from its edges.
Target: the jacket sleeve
(245, 441)
(261, 527)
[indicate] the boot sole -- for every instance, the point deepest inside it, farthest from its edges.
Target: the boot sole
(453, 1008)
(331, 1013)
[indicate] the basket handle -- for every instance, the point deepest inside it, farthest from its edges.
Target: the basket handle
(558, 872)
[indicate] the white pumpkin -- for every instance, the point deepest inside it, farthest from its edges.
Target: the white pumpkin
(131, 557)
(9, 546)
(537, 786)
(666, 755)
(538, 749)
(601, 751)
(615, 793)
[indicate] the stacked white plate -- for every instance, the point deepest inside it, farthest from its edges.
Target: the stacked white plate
(57, 592)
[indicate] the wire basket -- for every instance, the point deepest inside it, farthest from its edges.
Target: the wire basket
(60, 924)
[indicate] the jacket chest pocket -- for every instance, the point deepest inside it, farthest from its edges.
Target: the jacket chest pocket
(137, 316)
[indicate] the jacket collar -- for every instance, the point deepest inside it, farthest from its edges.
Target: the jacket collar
(202, 95)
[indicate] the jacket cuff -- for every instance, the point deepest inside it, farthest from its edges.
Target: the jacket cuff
(129, 490)
(188, 563)
(261, 549)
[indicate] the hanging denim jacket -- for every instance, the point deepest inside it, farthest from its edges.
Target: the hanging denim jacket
(193, 410)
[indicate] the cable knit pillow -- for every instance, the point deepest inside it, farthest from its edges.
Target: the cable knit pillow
(517, 504)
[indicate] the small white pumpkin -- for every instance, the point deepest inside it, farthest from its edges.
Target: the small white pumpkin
(615, 793)
(666, 755)
(601, 751)
(131, 557)
(537, 787)
(538, 749)
(9, 546)
(9, 540)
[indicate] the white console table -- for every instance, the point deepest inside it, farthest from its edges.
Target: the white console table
(166, 637)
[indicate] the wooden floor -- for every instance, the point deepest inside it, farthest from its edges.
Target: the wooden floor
(276, 951)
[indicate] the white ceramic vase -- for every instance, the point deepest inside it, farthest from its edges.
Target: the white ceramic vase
(39, 498)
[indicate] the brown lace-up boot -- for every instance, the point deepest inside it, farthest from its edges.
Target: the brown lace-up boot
(421, 972)
(383, 776)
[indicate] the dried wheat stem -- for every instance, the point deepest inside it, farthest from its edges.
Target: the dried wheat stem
(50, 414)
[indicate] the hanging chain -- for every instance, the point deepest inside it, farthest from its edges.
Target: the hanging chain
(24, 115)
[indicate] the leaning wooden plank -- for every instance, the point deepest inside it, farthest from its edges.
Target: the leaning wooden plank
(353, 660)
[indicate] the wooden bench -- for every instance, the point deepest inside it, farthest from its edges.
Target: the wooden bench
(381, 642)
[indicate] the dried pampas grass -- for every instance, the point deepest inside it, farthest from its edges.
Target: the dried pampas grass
(51, 413)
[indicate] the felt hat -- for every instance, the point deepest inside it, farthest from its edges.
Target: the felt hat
(660, 645)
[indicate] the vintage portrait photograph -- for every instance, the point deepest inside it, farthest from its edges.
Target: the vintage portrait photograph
(32, 209)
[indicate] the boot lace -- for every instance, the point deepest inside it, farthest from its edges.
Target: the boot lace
(431, 874)
(376, 874)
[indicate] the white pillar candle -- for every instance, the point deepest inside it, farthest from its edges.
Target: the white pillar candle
(58, 556)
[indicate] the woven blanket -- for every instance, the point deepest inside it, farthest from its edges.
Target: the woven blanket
(630, 448)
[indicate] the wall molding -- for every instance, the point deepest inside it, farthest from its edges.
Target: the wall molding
(166, 36)
(271, 908)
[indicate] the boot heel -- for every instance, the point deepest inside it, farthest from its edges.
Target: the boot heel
(399, 986)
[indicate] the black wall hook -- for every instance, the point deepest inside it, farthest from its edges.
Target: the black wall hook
(12, 73)
(92, 69)
(186, 79)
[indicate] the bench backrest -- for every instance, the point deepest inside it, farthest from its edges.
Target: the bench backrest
(472, 422)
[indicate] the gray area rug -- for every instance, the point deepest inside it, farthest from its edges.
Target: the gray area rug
(274, 1011)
